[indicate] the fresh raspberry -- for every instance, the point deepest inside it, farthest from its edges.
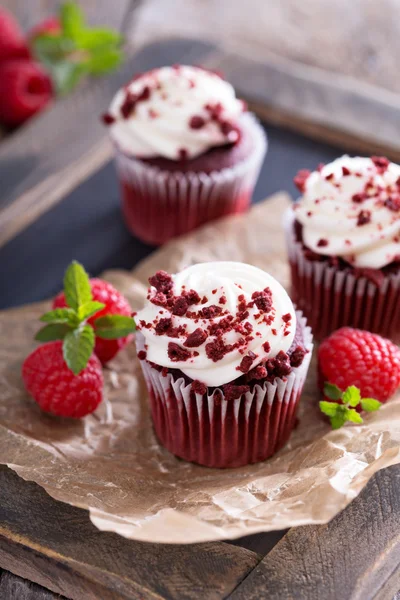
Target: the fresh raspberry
(50, 26)
(56, 389)
(115, 304)
(12, 41)
(26, 89)
(366, 360)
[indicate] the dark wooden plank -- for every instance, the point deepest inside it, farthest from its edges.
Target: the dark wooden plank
(354, 557)
(16, 588)
(55, 545)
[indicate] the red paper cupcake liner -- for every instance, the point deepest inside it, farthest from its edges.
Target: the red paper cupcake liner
(215, 432)
(331, 298)
(158, 205)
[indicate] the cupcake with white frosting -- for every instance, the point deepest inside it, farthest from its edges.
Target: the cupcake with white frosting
(344, 246)
(187, 150)
(225, 357)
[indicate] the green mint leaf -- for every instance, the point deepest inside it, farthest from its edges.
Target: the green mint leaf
(59, 315)
(111, 327)
(328, 408)
(338, 420)
(370, 404)
(89, 309)
(353, 416)
(77, 288)
(66, 75)
(78, 346)
(332, 391)
(104, 60)
(352, 396)
(52, 48)
(98, 37)
(52, 331)
(72, 19)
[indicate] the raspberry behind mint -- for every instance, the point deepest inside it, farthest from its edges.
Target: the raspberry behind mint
(353, 357)
(56, 389)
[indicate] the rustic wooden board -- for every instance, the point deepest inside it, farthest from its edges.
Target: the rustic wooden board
(55, 545)
(354, 557)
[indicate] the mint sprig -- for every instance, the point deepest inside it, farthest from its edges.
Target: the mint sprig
(70, 324)
(342, 407)
(77, 50)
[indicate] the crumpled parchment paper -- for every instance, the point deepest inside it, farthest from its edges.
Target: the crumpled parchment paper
(111, 464)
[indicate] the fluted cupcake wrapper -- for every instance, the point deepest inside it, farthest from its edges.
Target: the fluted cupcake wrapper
(331, 298)
(159, 205)
(215, 432)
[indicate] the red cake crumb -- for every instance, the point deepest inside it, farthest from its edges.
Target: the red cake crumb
(216, 350)
(142, 355)
(128, 105)
(108, 119)
(263, 300)
(164, 371)
(191, 296)
(199, 388)
(287, 318)
(330, 177)
(197, 122)
(180, 306)
(358, 198)
(279, 366)
(297, 356)
(245, 364)
(176, 353)
(301, 178)
(381, 163)
(196, 338)
(346, 171)
(183, 154)
(159, 299)
(209, 312)
(162, 281)
(322, 243)
(393, 203)
(364, 217)
(266, 347)
(232, 392)
(259, 372)
(222, 300)
(163, 326)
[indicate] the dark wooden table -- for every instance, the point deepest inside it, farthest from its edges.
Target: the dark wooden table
(356, 556)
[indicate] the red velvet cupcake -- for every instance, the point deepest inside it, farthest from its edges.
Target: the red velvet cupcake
(225, 357)
(186, 149)
(343, 238)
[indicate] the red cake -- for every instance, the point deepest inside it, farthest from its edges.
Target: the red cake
(187, 151)
(225, 358)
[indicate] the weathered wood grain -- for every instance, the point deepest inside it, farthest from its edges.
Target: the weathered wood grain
(55, 545)
(354, 557)
(16, 588)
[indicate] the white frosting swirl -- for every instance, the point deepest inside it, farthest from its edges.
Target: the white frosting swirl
(160, 125)
(353, 215)
(229, 280)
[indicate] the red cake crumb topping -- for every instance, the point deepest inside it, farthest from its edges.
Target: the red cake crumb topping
(176, 353)
(287, 318)
(196, 122)
(279, 366)
(183, 154)
(180, 306)
(381, 163)
(297, 356)
(245, 364)
(222, 300)
(345, 171)
(196, 338)
(216, 350)
(259, 372)
(301, 178)
(142, 355)
(393, 203)
(199, 388)
(358, 198)
(210, 312)
(330, 177)
(364, 217)
(191, 296)
(322, 243)
(108, 119)
(162, 281)
(267, 347)
(263, 300)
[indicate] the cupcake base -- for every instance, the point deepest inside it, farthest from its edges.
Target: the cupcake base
(215, 432)
(160, 204)
(331, 298)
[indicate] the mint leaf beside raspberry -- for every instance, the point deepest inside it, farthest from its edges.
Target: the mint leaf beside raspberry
(75, 323)
(341, 406)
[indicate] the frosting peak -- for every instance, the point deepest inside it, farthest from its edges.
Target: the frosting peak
(174, 112)
(351, 208)
(216, 321)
